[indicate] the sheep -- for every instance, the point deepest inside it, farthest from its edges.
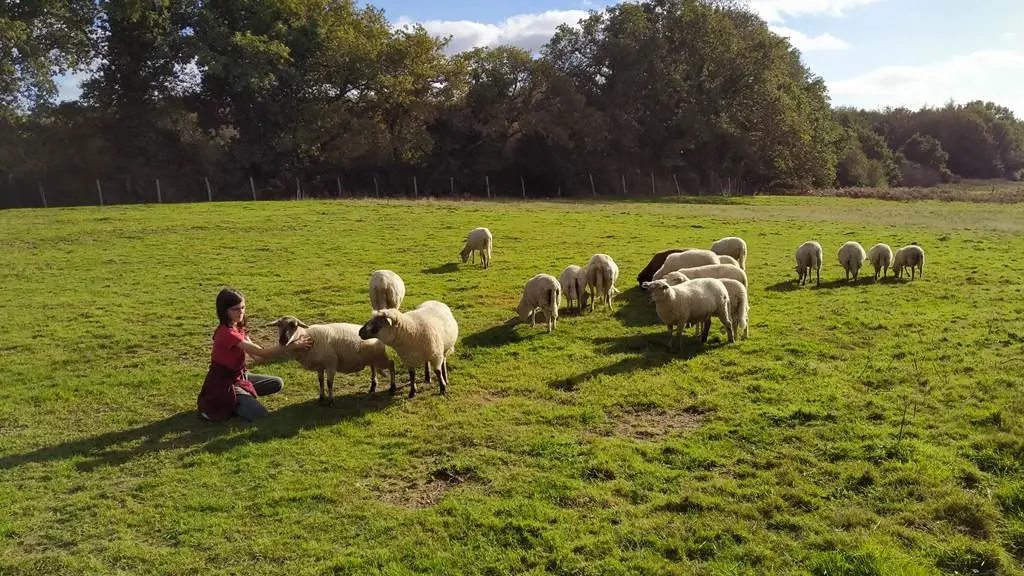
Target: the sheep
(880, 256)
(808, 256)
(851, 255)
(387, 290)
(478, 240)
(688, 259)
(726, 259)
(542, 291)
(695, 300)
(908, 257)
(424, 335)
(337, 347)
(732, 246)
(602, 272)
(739, 303)
(713, 271)
(573, 281)
(647, 274)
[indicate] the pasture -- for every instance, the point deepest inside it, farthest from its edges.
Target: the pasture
(864, 428)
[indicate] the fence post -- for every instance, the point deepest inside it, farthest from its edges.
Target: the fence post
(42, 193)
(252, 188)
(159, 196)
(376, 189)
(415, 187)
(451, 183)
(298, 189)
(522, 183)
(624, 193)
(676, 182)
(337, 179)
(100, 190)
(487, 180)
(653, 190)
(593, 191)
(209, 191)
(559, 191)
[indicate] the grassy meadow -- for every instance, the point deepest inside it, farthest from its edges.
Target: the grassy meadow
(864, 428)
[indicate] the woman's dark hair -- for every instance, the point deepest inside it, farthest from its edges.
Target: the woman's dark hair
(227, 298)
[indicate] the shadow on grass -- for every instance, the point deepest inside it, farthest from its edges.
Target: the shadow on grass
(186, 430)
(789, 286)
(645, 351)
(633, 307)
(442, 269)
(494, 336)
(844, 283)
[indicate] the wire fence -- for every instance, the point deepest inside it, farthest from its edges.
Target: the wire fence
(76, 190)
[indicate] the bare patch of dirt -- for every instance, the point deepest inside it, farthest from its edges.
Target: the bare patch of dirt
(653, 423)
(421, 491)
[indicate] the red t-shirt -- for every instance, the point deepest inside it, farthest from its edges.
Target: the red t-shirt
(225, 349)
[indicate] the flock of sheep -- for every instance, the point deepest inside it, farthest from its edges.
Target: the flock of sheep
(688, 287)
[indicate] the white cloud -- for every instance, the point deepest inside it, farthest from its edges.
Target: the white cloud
(807, 43)
(527, 31)
(996, 75)
(1009, 37)
(774, 11)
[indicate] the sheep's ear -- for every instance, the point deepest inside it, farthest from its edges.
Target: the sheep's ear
(301, 324)
(269, 324)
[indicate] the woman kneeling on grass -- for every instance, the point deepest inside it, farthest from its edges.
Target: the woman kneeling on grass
(230, 389)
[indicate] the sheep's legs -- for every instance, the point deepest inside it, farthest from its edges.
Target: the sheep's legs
(330, 386)
(441, 380)
(412, 382)
(320, 377)
(724, 316)
(373, 379)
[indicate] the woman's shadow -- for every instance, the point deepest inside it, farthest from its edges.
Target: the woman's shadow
(186, 430)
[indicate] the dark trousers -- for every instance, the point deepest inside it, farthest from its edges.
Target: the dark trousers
(250, 408)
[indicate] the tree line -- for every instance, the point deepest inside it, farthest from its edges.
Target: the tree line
(662, 95)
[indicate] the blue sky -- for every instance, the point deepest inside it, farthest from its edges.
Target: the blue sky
(871, 53)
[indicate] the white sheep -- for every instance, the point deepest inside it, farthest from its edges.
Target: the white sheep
(851, 256)
(478, 240)
(602, 272)
(908, 257)
(739, 303)
(424, 335)
(715, 271)
(387, 290)
(693, 301)
(691, 258)
(726, 259)
(542, 291)
(337, 347)
(880, 256)
(732, 246)
(808, 256)
(573, 281)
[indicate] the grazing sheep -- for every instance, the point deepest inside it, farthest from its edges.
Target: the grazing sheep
(573, 280)
(542, 291)
(690, 259)
(880, 256)
(647, 274)
(424, 335)
(478, 240)
(808, 256)
(337, 347)
(387, 290)
(726, 259)
(695, 300)
(713, 271)
(908, 256)
(739, 303)
(851, 256)
(602, 272)
(732, 246)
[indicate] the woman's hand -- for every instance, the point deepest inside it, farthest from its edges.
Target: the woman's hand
(304, 342)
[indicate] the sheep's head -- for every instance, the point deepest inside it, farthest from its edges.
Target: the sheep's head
(658, 289)
(677, 277)
(464, 253)
(287, 326)
(379, 325)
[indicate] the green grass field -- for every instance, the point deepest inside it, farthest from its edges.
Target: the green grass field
(862, 429)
